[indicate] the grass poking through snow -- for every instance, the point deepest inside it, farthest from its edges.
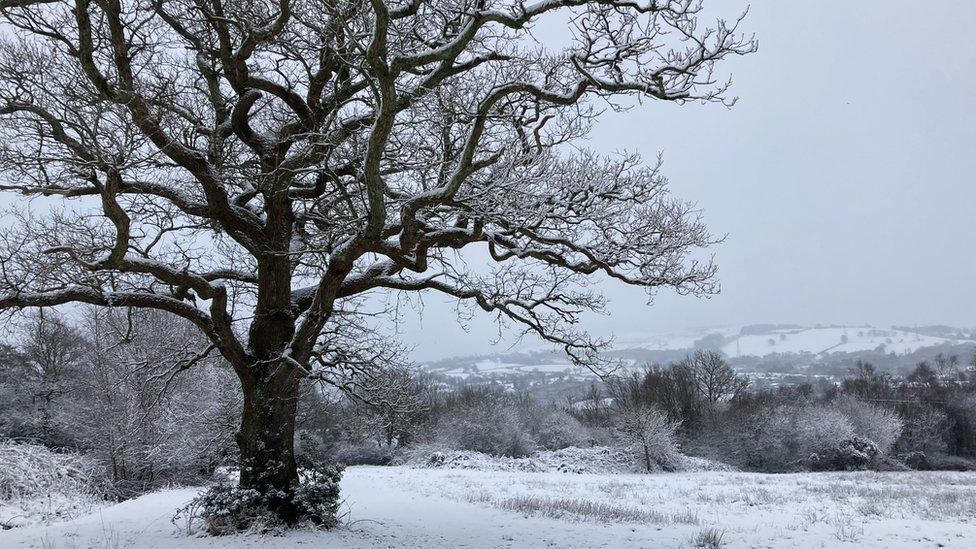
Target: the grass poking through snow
(582, 509)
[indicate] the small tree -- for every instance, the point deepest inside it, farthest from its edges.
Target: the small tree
(652, 432)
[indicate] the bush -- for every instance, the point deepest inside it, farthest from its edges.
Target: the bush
(925, 431)
(851, 454)
(649, 430)
(820, 428)
(29, 471)
(937, 461)
(784, 436)
(38, 485)
(351, 453)
(877, 424)
(486, 421)
(961, 413)
(226, 509)
(495, 432)
(560, 430)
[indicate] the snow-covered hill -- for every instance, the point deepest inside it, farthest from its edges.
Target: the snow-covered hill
(830, 340)
(815, 342)
(765, 340)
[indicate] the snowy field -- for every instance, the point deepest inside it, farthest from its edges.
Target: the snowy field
(423, 508)
(830, 340)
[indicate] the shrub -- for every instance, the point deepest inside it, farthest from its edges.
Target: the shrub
(226, 509)
(961, 413)
(365, 453)
(709, 538)
(652, 433)
(937, 461)
(877, 424)
(29, 470)
(40, 485)
(783, 437)
(925, 431)
(820, 428)
(560, 430)
(851, 454)
(486, 421)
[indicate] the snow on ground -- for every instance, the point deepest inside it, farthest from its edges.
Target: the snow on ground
(424, 508)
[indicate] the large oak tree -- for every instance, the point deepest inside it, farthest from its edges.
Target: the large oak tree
(257, 166)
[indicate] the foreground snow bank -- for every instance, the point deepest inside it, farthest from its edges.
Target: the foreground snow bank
(604, 460)
(399, 507)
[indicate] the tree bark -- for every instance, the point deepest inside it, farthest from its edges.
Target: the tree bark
(267, 440)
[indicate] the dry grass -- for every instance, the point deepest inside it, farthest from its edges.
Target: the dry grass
(582, 509)
(832, 508)
(709, 538)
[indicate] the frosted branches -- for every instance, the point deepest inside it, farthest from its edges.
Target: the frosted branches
(255, 166)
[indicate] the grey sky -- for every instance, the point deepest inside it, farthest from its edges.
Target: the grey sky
(843, 177)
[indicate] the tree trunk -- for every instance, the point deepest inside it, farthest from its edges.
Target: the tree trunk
(267, 441)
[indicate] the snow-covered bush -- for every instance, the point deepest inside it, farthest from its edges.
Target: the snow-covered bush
(879, 425)
(558, 430)
(602, 460)
(496, 431)
(783, 436)
(648, 430)
(484, 420)
(819, 428)
(229, 509)
(119, 387)
(37, 484)
(925, 430)
(851, 454)
(363, 453)
(29, 470)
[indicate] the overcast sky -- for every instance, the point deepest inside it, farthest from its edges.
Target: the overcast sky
(843, 177)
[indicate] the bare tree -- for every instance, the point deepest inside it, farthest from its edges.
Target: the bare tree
(257, 167)
(714, 378)
(649, 429)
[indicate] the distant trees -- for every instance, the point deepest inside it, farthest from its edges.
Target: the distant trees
(714, 379)
(688, 391)
(491, 420)
(711, 342)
